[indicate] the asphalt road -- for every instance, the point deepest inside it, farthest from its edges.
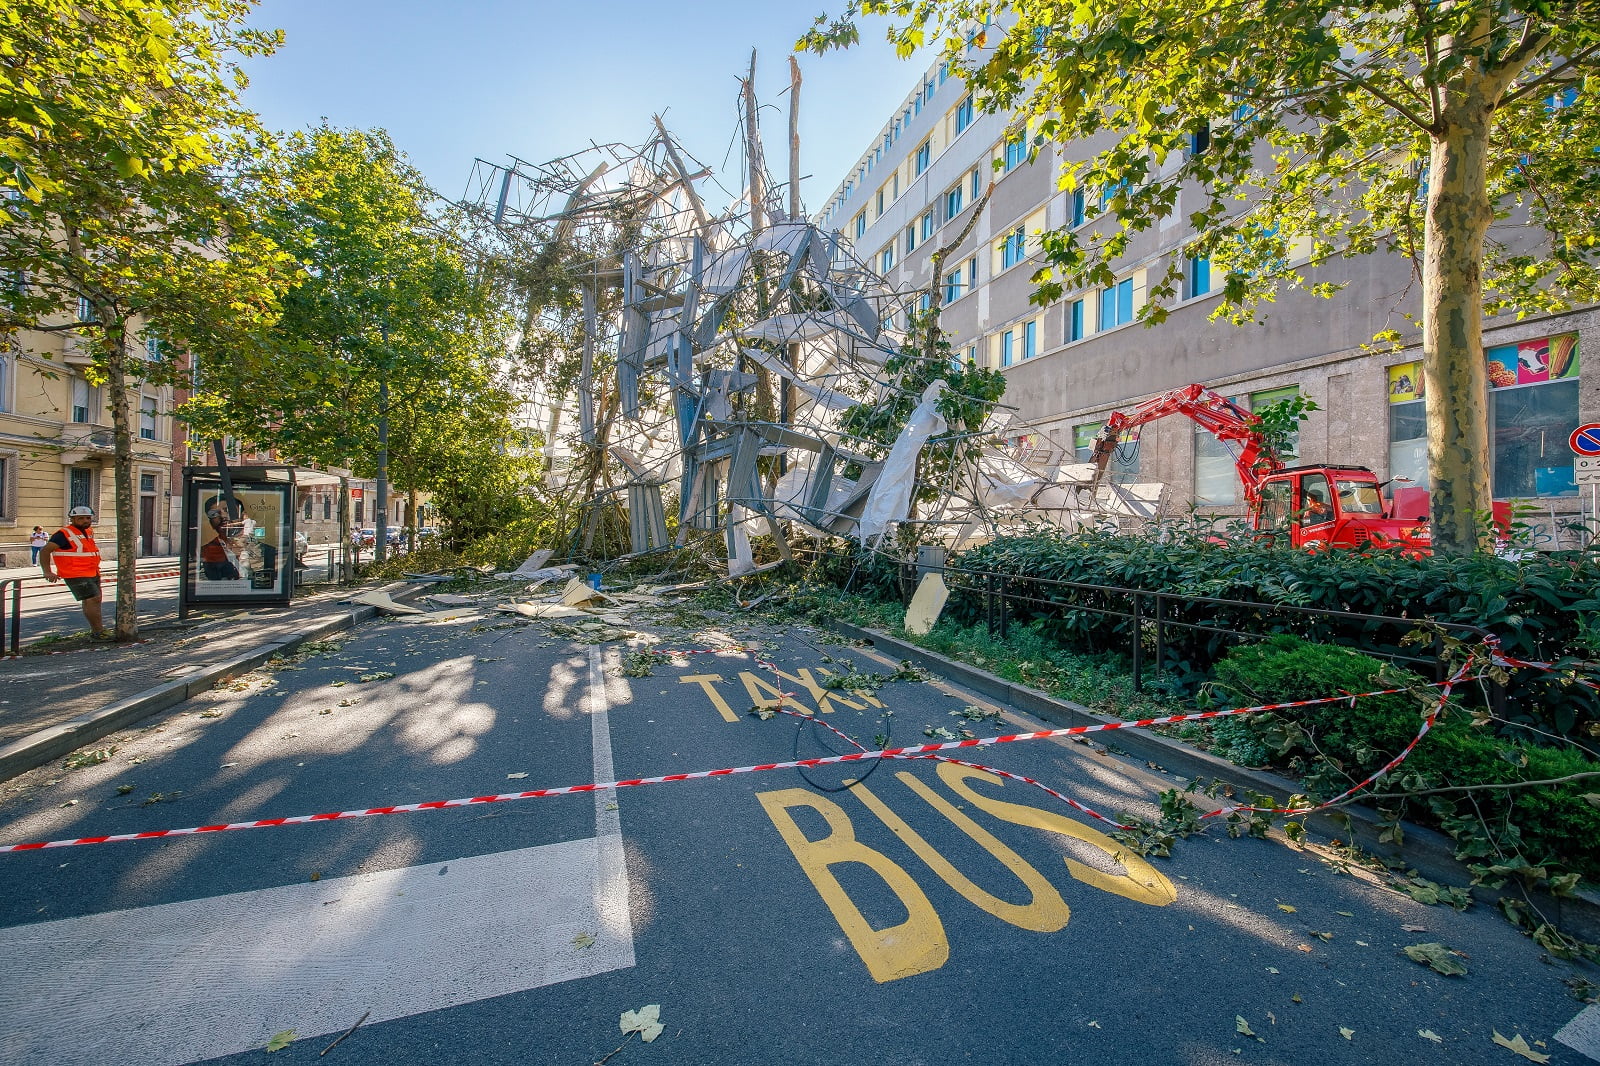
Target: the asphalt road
(932, 914)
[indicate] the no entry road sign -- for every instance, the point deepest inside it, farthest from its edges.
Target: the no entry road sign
(1585, 440)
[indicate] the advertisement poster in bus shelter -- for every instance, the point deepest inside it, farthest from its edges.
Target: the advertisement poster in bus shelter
(242, 554)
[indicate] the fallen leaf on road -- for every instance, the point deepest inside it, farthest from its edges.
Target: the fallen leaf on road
(1324, 937)
(645, 1021)
(123, 790)
(70, 803)
(1285, 908)
(1441, 958)
(1272, 969)
(1242, 1027)
(1414, 928)
(1094, 1025)
(583, 940)
(515, 777)
(1429, 1034)
(281, 1040)
(1296, 998)
(210, 714)
(1303, 947)
(337, 684)
(1346, 1033)
(1520, 1046)
(1347, 914)
(376, 675)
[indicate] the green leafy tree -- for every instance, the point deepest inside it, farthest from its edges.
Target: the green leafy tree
(385, 303)
(1460, 134)
(120, 128)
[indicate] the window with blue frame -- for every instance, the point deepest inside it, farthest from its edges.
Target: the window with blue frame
(1014, 249)
(1109, 192)
(1074, 321)
(85, 310)
(911, 239)
(924, 156)
(880, 203)
(972, 273)
(952, 286)
(916, 104)
(886, 260)
(1030, 339)
(1200, 139)
(1199, 276)
(927, 91)
(977, 183)
(1005, 348)
(972, 354)
(861, 224)
(952, 203)
(964, 114)
(1561, 98)
(1116, 304)
(927, 225)
(1016, 154)
(926, 303)
(1077, 208)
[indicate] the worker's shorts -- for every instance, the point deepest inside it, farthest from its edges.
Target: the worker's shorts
(83, 588)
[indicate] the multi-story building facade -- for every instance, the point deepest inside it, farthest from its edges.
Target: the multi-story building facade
(56, 445)
(1071, 363)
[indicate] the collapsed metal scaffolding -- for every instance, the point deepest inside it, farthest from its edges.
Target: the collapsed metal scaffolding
(708, 360)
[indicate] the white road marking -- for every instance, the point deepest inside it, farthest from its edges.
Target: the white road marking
(1582, 1034)
(179, 982)
(611, 887)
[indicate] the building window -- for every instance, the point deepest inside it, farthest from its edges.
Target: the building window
(927, 225)
(886, 260)
(80, 400)
(80, 487)
(972, 274)
(1408, 426)
(1075, 321)
(1005, 348)
(924, 155)
(1200, 139)
(1077, 208)
(1110, 192)
(361, 507)
(1199, 276)
(85, 310)
(964, 115)
(147, 418)
(152, 347)
(1030, 339)
(916, 104)
(1116, 304)
(927, 91)
(1014, 248)
(977, 183)
(880, 203)
(952, 203)
(5, 382)
(1016, 154)
(911, 239)
(8, 487)
(307, 511)
(972, 355)
(952, 286)
(1124, 464)
(327, 506)
(1532, 419)
(861, 224)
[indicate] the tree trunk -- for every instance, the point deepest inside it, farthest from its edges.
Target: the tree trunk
(1453, 364)
(122, 477)
(411, 517)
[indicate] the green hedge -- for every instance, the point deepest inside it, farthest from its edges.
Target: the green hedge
(1542, 607)
(1332, 746)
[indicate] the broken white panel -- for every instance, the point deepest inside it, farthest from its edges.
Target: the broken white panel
(786, 237)
(798, 327)
(725, 271)
(926, 604)
(890, 499)
(829, 398)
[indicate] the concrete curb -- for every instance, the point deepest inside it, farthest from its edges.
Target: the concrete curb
(1430, 853)
(55, 741)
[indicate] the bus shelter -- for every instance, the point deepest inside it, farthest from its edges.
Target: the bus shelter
(238, 543)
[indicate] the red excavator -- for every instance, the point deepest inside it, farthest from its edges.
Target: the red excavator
(1315, 505)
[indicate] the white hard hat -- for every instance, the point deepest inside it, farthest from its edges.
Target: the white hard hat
(81, 511)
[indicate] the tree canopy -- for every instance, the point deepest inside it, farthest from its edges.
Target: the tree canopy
(119, 129)
(1460, 134)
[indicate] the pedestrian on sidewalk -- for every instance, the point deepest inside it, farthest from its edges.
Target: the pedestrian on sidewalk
(71, 555)
(37, 540)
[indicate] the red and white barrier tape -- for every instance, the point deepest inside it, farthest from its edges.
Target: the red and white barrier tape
(919, 751)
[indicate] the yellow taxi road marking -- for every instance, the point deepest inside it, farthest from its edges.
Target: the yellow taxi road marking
(918, 944)
(763, 693)
(705, 681)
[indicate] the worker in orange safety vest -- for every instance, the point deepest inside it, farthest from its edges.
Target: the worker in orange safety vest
(71, 555)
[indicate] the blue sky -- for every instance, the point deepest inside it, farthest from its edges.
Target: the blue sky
(488, 78)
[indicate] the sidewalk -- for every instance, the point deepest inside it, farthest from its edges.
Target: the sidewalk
(147, 566)
(52, 703)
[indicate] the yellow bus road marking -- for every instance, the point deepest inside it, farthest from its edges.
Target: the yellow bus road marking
(919, 944)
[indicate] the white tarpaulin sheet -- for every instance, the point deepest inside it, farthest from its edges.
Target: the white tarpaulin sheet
(890, 499)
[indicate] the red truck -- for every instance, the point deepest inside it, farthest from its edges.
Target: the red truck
(1313, 505)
